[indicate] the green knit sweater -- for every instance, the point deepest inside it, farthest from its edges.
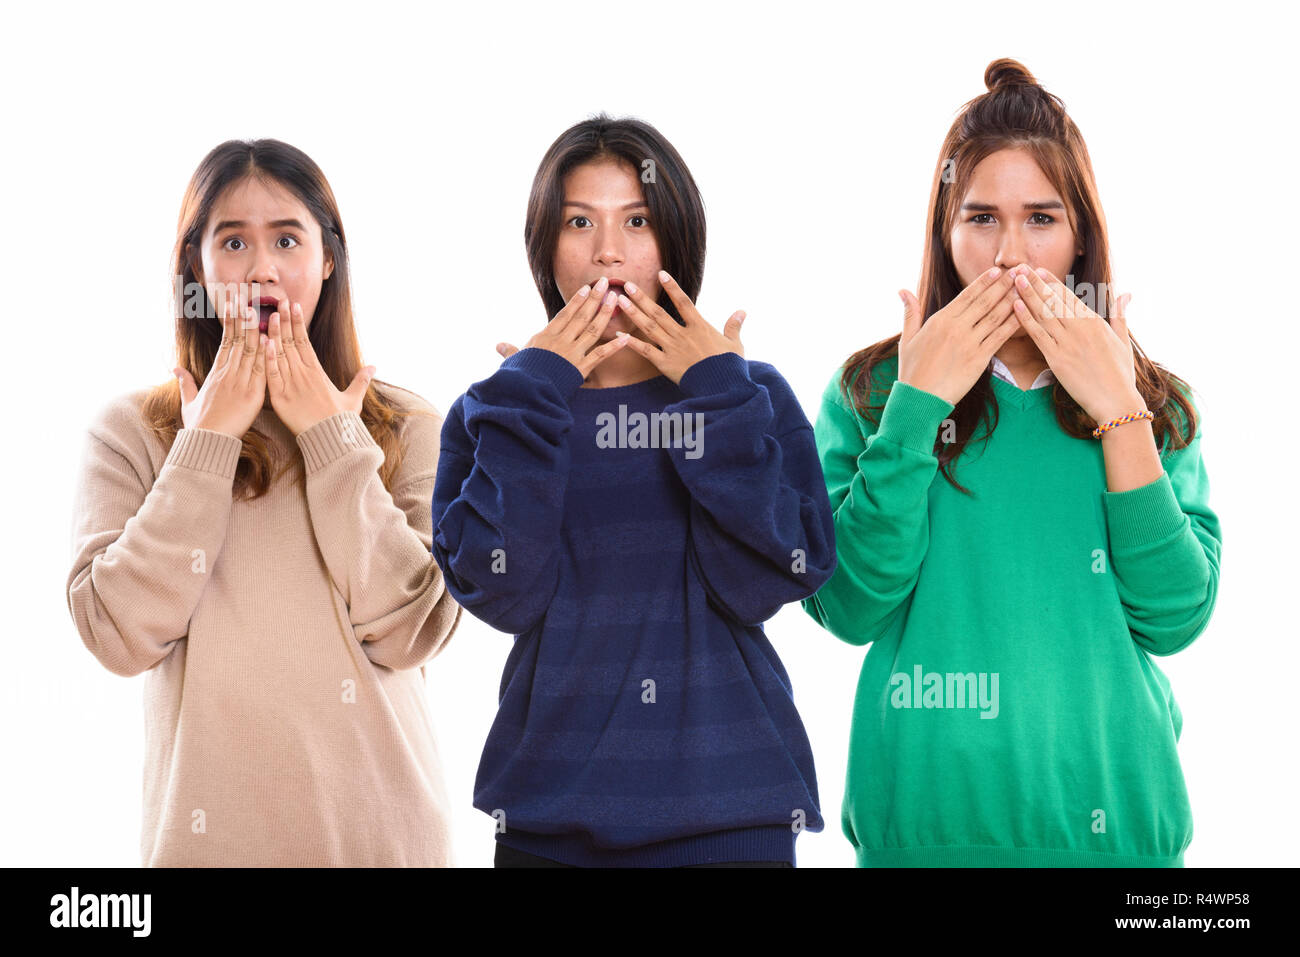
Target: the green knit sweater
(1009, 712)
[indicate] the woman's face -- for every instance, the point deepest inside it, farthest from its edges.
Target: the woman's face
(1010, 215)
(259, 232)
(606, 232)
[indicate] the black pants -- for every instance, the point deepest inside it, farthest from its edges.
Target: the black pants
(509, 857)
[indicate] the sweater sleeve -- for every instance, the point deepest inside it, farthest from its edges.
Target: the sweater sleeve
(376, 544)
(879, 482)
(1164, 551)
(144, 547)
(761, 533)
(498, 501)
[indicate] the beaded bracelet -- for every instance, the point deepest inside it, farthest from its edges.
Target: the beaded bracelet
(1132, 417)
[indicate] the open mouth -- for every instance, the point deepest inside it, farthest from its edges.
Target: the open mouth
(265, 306)
(616, 287)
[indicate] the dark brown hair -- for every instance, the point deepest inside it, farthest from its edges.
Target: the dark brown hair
(331, 331)
(676, 209)
(1017, 113)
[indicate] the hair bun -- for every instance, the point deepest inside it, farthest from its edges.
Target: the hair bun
(1007, 72)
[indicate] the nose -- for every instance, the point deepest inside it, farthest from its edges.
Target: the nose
(609, 249)
(261, 267)
(1011, 248)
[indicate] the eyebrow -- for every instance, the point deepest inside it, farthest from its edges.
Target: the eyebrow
(992, 207)
(275, 224)
(637, 205)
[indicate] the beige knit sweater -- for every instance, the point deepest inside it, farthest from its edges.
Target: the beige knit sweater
(283, 639)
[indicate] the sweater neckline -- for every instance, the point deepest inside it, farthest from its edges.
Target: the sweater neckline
(1018, 398)
(635, 389)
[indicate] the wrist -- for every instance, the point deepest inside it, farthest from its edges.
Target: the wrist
(1128, 405)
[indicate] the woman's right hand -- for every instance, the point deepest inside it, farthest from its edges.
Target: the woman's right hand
(235, 389)
(946, 354)
(576, 328)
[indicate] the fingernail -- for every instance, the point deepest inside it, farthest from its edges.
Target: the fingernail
(611, 297)
(602, 284)
(584, 291)
(1042, 272)
(621, 335)
(664, 277)
(994, 272)
(630, 286)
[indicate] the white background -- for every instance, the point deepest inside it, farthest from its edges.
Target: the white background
(812, 130)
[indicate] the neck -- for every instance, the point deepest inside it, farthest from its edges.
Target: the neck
(1024, 359)
(624, 367)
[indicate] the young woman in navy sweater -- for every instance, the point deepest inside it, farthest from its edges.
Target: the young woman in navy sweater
(631, 499)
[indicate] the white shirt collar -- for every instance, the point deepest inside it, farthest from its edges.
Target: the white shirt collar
(1002, 372)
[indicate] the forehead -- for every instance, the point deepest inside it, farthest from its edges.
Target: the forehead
(605, 183)
(257, 202)
(1011, 173)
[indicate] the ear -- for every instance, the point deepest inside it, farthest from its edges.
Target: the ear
(329, 265)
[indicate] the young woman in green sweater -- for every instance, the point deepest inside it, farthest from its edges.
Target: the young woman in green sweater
(1008, 711)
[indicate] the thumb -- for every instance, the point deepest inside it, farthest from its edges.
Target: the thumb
(186, 381)
(506, 349)
(911, 314)
(731, 329)
(1119, 321)
(360, 382)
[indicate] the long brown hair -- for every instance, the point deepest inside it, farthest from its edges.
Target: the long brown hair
(1017, 112)
(331, 331)
(676, 209)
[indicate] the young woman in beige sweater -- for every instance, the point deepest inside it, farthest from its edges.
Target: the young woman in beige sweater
(254, 537)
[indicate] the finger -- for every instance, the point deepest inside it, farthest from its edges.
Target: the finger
(685, 308)
(999, 334)
(278, 325)
(1037, 329)
(620, 341)
(655, 314)
(589, 334)
(911, 316)
(250, 332)
(1062, 302)
(226, 309)
(731, 328)
(1040, 304)
(985, 294)
(274, 374)
(657, 332)
(573, 317)
(1119, 321)
(356, 390)
(506, 349)
(185, 382)
(301, 344)
(233, 331)
(257, 377)
(992, 320)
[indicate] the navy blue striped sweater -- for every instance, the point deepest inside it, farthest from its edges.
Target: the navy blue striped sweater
(644, 719)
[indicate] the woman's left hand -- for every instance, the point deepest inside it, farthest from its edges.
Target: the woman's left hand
(301, 392)
(1093, 359)
(679, 347)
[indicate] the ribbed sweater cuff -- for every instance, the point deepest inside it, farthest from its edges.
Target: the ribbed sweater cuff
(333, 438)
(912, 417)
(548, 365)
(717, 373)
(205, 451)
(1145, 515)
